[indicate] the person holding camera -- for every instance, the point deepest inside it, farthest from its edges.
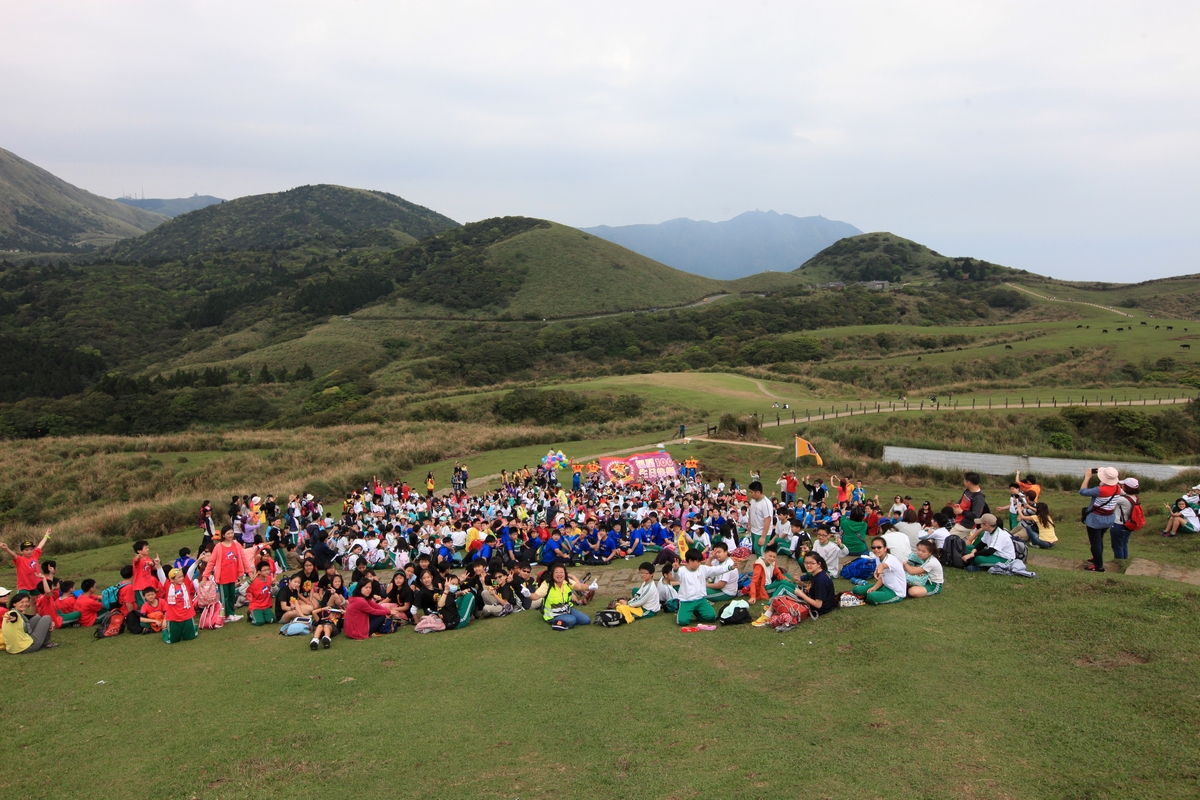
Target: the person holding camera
(24, 632)
(1100, 514)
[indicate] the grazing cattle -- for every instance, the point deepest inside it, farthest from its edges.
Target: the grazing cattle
(1155, 327)
(1008, 347)
(1104, 331)
(1170, 328)
(1144, 323)
(1186, 346)
(1120, 329)
(1087, 327)
(918, 358)
(1078, 326)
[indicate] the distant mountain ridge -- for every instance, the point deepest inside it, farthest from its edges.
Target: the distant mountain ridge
(757, 241)
(171, 207)
(43, 213)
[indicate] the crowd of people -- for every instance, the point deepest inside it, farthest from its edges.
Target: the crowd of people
(393, 556)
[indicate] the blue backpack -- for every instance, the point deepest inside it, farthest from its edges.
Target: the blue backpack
(110, 597)
(863, 568)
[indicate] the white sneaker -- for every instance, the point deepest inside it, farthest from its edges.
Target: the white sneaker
(233, 618)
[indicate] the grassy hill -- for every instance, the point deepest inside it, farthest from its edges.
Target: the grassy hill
(285, 219)
(888, 257)
(43, 213)
(172, 207)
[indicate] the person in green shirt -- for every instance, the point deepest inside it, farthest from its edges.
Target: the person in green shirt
(854, 532)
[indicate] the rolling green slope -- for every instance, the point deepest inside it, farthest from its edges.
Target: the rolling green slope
(888, 257)
(285, 219)
(43, 213)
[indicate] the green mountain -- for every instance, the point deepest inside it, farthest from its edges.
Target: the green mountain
(42, 213)
(285, 219)
(172, 207)
(888, 257)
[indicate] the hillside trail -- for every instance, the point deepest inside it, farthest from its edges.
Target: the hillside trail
(1076, 302)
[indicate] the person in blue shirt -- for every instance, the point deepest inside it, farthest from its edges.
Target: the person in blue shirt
(609, 546)
(551, 550)
(506, 545)
(637, 538)
(485, 552)
(445, 553)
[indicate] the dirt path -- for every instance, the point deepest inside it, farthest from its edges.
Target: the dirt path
(890, 407)
(1076, 302)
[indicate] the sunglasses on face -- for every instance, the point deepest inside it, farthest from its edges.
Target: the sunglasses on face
(878, 547)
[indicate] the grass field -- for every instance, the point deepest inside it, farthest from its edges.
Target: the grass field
(997, 688)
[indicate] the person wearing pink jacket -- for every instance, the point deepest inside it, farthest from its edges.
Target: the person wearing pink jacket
(229, 562)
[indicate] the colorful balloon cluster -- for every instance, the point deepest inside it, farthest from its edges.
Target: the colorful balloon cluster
(555, 461)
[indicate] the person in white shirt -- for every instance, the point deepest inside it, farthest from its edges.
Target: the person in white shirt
(910, 527)
(995, 545)
(647, 596)
(830, 550)
(897, 542)
(926, 576)
(666, 588)
(723, 586)
(760, 515)
(693, 587)
(891, 585)
(938, 535)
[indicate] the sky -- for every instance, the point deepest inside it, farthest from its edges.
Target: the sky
(1062, 138)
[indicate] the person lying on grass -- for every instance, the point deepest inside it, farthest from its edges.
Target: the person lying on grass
(890, 585)
(924, 571)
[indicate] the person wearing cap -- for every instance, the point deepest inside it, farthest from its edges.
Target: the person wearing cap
(25, 633)
(28, 564)
(179, 595)
(988, 544)
(1122, 528)
(1101, 512)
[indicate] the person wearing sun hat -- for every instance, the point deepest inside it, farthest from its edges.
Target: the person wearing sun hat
(1100, 515)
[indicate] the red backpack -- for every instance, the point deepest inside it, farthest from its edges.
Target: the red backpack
(1137, 519)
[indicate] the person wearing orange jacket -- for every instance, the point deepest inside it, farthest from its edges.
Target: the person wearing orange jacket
(228, 564)
(768, 577)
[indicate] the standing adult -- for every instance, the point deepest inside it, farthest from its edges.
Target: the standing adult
(1123, 527)
(1101, 512)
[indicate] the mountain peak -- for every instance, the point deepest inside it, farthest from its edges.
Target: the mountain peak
(753, 241)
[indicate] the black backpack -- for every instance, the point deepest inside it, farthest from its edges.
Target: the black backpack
(609, 618)
(738, 616)
(953, 550)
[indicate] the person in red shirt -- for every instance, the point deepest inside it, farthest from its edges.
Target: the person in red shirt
(180, 597)
(65, 604)
(259, 598)
(88, 604)
(229, 562)
(126, 597)
(143, 571)
(153, 611)
(27, 562)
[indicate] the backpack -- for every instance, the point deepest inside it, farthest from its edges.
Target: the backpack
(206, 593)
(609, 619)
(953, 550)
(787, 605)
(1137, 518)
(110, 624)
(110, 597)
(300, 626)
(863, 568)
(1020, 550)
(212, 617)
(736, 612)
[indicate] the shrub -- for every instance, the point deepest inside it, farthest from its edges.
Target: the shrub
(1060, 441)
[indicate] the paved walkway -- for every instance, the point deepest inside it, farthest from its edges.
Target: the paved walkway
(1138, 566)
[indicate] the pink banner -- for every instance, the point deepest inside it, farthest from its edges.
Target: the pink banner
(639, 468)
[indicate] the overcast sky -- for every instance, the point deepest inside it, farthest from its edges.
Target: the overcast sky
(1058, 137)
